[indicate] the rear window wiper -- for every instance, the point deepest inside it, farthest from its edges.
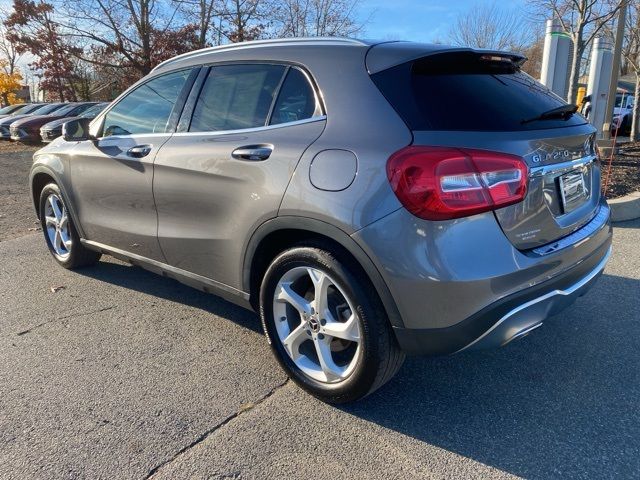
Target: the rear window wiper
(563, 112)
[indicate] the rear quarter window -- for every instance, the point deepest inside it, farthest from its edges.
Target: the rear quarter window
(463, 91)
(296, 100)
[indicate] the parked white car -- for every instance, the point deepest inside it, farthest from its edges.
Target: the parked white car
(622, 113)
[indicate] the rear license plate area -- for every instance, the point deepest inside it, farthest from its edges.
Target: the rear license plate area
(573, 190)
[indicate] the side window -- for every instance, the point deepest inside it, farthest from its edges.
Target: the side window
(147, 108)
(234, 97)
(296, 100)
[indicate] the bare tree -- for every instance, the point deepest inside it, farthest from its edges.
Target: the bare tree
(122, 26)
(140, 33)
(582, 20)
(32, 27)
(316, 18)
(490, 26)
(204, 14)
(534, 53)
(243, 19)
(631, 54)
(8, 50)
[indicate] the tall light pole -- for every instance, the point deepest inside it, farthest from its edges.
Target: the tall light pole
(615, 73)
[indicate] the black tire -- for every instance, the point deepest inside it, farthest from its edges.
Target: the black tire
(78, 256)
(379, 356)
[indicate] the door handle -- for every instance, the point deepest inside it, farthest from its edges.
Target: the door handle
(139, 151)
(253, 152)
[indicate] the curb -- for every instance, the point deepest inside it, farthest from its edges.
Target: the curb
(625, 208)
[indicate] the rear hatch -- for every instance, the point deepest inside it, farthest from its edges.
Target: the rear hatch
(482, 100)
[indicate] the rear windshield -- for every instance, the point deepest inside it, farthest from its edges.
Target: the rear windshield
(467, 91)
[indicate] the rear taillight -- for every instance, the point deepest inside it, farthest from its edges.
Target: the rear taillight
(440, 183)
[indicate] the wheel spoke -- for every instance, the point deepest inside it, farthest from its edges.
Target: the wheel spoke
(286, 294)
(321, 283)
(66, 241)
(50, 221)
(293, 341)
(328, 366)
(58, 242)
(55, 208)
(347, 331)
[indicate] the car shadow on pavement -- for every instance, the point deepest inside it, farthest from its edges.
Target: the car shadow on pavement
(563, 402)
(138, 279)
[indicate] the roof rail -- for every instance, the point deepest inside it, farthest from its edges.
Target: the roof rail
(264, 43)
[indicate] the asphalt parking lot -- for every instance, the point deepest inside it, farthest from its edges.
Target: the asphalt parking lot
(123, 374)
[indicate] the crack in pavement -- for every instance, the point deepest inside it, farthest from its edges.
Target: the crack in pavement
(29, 330)
(211, 431)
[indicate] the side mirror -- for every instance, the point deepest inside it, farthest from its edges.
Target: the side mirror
(76, 130)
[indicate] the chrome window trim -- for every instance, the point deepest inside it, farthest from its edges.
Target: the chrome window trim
(253, 129)
(133, 135)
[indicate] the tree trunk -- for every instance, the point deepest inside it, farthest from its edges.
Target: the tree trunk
(202, 36)
(60, 88)
(636, 110)
(576, 58)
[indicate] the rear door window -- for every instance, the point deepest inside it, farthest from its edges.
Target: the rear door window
(236, 97)
(467, 91)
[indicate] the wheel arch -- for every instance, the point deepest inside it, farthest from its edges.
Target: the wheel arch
(41, 176)
(278, 234)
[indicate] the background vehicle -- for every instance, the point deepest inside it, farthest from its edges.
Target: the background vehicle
(41, 109)
(53, 129)
(28, 129)
(363, 223)
(622, 114)
(10, 109)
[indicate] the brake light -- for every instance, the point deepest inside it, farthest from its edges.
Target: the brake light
(441, 183)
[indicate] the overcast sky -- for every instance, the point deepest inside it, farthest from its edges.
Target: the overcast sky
(419, 20)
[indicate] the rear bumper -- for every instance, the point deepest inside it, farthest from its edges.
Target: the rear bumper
(510, 318)
(461, 284)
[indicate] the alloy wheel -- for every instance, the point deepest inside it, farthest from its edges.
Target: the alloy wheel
(317, 324)
(57, 226)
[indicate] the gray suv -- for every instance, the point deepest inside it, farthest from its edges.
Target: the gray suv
(367, 199)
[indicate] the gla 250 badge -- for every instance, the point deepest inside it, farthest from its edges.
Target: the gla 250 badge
(555, 155)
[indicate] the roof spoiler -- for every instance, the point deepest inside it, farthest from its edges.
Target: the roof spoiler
(386, 55)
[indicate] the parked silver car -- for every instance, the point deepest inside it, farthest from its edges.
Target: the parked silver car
(52, 130)
(337, 187)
